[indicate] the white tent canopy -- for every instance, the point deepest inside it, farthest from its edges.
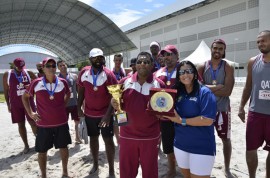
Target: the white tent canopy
(202, 54)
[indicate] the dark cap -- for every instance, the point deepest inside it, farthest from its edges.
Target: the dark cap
(169, 49)
(133, 62)
(46, 60)
(19, 63)
(221, 41)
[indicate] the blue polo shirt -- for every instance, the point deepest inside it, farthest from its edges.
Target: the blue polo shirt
(196, 139)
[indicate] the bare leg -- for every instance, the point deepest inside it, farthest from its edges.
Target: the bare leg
(268, 166)
(171, 165)
(186, 173)
(110, 151)
(23, 134)
(77, 137)
(252, 162)
(64, 157)
(116, 133)
(196, 176)
(33, 127)
(94, 147)
(227, 152)
(42, 161)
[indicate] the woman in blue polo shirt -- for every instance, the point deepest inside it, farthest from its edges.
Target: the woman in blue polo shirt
(195, 112)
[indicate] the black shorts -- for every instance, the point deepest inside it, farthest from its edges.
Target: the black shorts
(94, 130)
(167, 136)
(47, 137)
(73, 111)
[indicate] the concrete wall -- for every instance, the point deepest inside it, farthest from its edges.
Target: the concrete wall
(237, 22)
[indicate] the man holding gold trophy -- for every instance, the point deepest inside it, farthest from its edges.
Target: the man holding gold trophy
(139, 138)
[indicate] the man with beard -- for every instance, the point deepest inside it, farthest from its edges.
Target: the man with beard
(15, 82)
(40, 70)
(139, 139)
(93, 81)
(218, 75)
(154, 49)
(167, 74)
(257, 88)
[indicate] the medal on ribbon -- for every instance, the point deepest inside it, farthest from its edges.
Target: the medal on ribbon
(169, 75)
(214, 73)
(117, 74)
(19, 78)
(95, 77)
(51, 92)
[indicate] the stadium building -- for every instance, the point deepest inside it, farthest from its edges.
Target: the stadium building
(187, 22)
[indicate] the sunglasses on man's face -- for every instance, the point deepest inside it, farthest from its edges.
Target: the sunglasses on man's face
(50, 66)
(167, 54)
(145, 62)
(187, 71)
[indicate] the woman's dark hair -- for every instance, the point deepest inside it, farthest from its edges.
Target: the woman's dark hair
(180, 86)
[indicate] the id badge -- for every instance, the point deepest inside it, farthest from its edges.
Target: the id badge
(264, 94)
(20, 92)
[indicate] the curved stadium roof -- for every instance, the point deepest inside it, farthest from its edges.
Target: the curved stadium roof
(68, 28)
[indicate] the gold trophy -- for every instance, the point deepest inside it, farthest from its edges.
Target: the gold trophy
(116, 92)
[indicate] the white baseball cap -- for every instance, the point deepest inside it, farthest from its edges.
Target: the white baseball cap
(154, 43)
(95, 52)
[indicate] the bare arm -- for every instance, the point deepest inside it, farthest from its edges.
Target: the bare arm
(80, 100)
(246, 90)
(6, 90)
(200, 70)
(27, 106)
(227, 88)
(66, 98)
(195, 121)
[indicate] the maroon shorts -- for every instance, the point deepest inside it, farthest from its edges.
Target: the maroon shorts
(223, 124)
(18, 115)
(258, 131)
(73, 111)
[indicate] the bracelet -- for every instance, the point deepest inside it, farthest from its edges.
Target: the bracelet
(184, 121)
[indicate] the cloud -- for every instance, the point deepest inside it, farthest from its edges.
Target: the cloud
(89, 2)
(148, 0)
(147, 10)
(125, 16)
(158, 5)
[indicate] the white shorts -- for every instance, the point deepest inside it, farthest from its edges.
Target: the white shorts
(200, 165)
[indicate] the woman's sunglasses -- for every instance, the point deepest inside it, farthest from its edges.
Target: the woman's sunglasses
(188, 71)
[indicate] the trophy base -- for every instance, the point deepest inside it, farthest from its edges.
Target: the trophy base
(121, 118)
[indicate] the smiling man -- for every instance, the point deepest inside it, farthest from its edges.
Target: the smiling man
(93, 81)
(218, 75)
(139, 139)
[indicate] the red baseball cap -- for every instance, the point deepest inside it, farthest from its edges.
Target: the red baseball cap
(19, 63)
(169, 49)
(46, 60)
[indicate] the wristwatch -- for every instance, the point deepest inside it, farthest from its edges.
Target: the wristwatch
(184, 121)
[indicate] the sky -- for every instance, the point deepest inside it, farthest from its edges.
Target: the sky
(121, 12)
